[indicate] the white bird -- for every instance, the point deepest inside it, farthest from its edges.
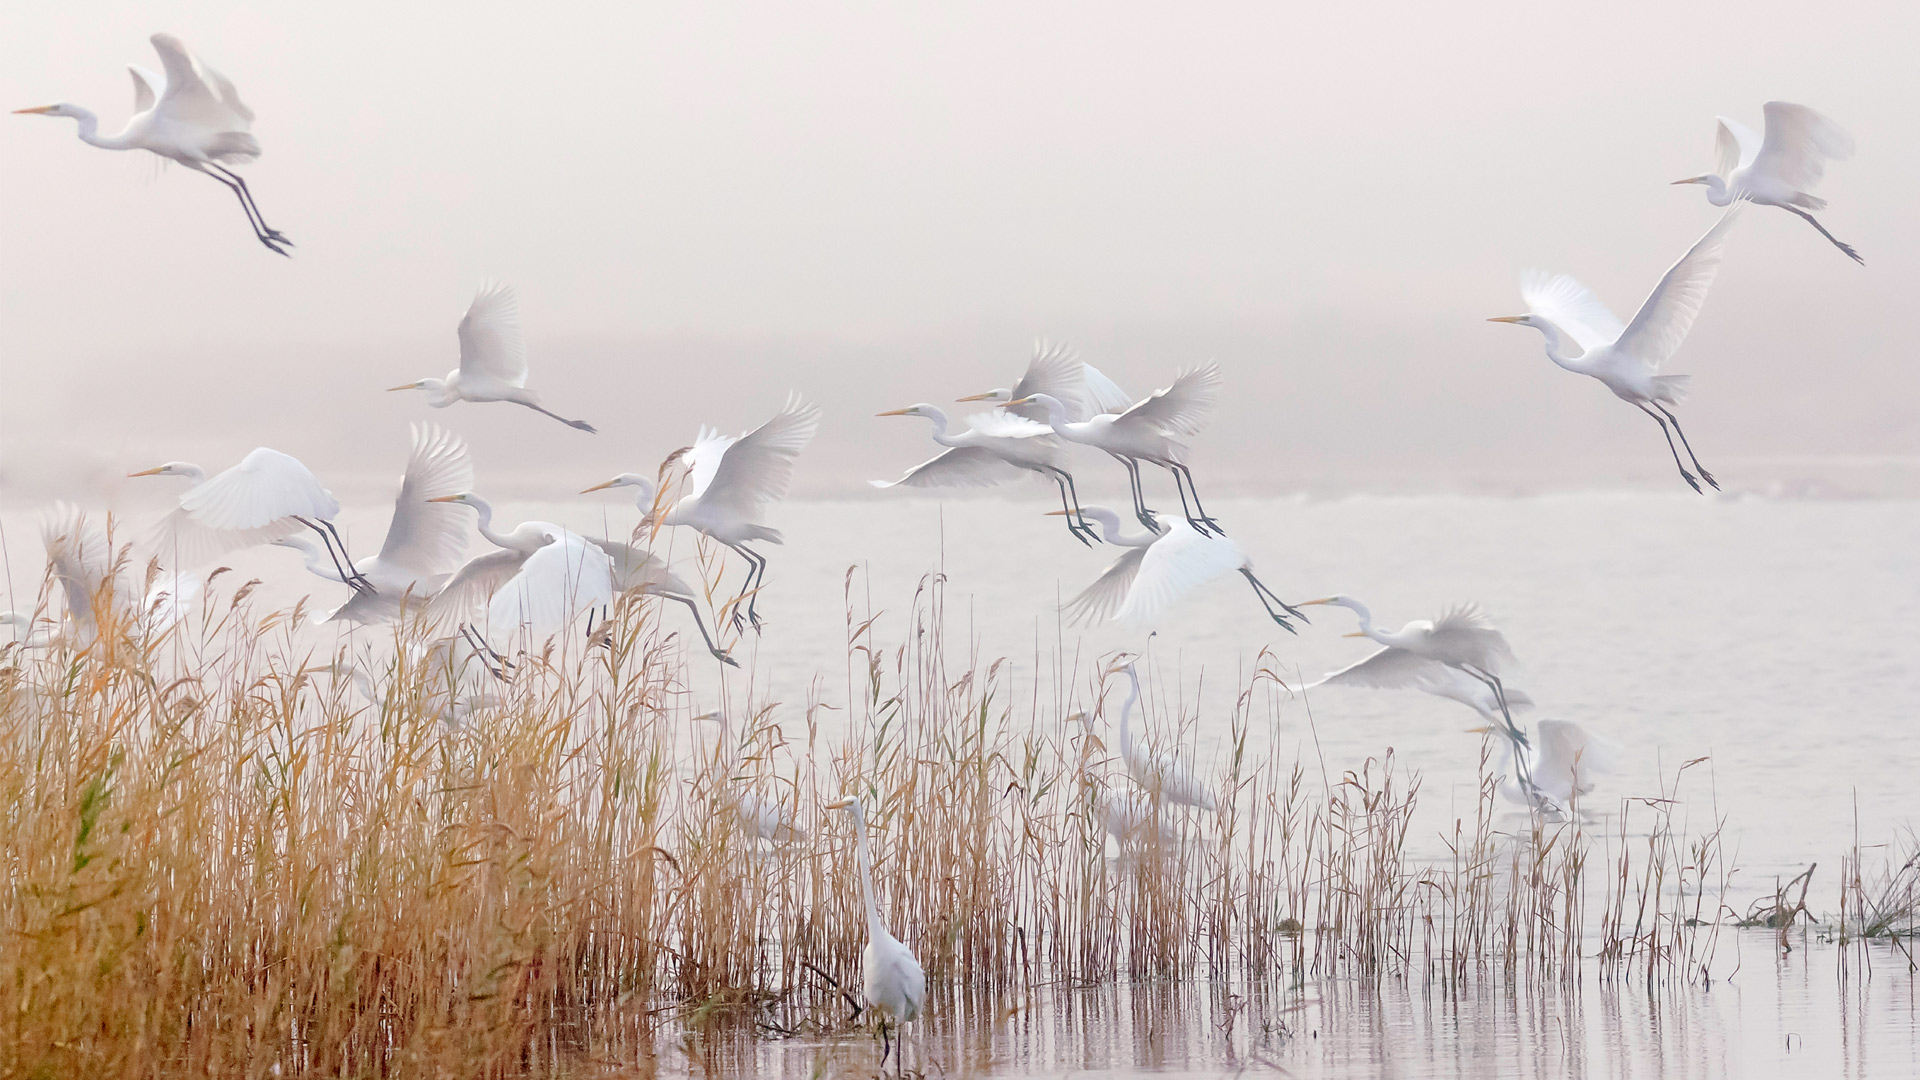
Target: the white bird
(1161, 776)
(730, 484)
(1398, 669)
(96, 580)
(195, 117)
(1584, 337)
(493, 359)
(1560, 766)
(770, 821)
(1780, 169)
(1160, 568)
(994, 448)
(1057, 371)
(893, 982)
(265, 497)
(1462, 638)
(424, 541)
(639, 571)
(1129, 817)
(542, 577)
(1149, 430)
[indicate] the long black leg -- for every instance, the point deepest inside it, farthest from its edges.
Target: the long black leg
(254, 204)
(354, 574)
(1070, 507)
(756, 565)
(1261, 586)
(1520, 767)
(486, 654)
(886, 1045)
(1262, 595)
(348, 576)
(1140, 511)
(704, 636)
(1183, 471)
(1073, 493)
(1662, 421)
(1851, 254)
(247, 207)
(1695, 458)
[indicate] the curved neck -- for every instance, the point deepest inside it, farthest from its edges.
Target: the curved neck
(875, 928)
(1561, 349)
(485, 510)
(1056, 412)
(939, 420)
(1717, 191)
(643, 493)
(90, 132)
(1126, 713)
(316, 564)
(194, 473)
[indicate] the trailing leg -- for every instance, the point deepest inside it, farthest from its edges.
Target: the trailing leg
(704, 636)
(1181, 472)
(1678, 464)
(1675, 421)
(1851, 254)
(1260, 591)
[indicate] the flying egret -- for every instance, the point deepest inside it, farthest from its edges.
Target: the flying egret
(542, 577)
(1161, 567)
(770, 821)
(730, 483)
(263, 498)
(1559, 767)
(639, 571)
(1397, 669)
(194, 117)
(1149, 430)
(96, 581)
(1462, 638)
(425, 538)
(493, 359)
(1781, 169)
(1057, 371)
(1161, 776)
(894, 983)
(994, 448)
(1584, 337)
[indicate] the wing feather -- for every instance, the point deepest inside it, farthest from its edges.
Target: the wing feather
(1103, 394)
(1054, 371)
(265, 489)
(1465, 632)
(1798, 143)
(146, 88)
(563, 578)
(428, 538)
(960, 466)
(1387, 669)
(1662, 322)
(1571, 306)
(196, 94)
(1003, 424)
(1179, 562)
(758, 467)
(492, 344)
(1098, 601)
(465, 595)
(1182, 408)
(1734, 146)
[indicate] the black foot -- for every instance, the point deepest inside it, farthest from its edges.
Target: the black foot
(1708, 477)
(754, 618)
(1285, 625)
(1146, 518)
(739, 621)
(725, 659)
(1082, 534)
(582, 425)
(1691, 482)
(279, 237)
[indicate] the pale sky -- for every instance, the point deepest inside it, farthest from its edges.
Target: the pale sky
(705, 206)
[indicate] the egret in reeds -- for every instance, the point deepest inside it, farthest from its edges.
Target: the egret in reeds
(1586, 338)
(425, 538)
(1161, 775)
(542, 577)
(1779, 169)
(267, 496)
(995, 447)
(892, 981)
(194, 117)
(1161, 567)
(1557, 769)
(493, 359)
(771, 821)
(1398, 669)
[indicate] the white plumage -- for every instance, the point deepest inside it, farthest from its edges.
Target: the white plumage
(493, 359)
(1779, 169)
(1161, 776)
(1161, 568)
(541, 579)
(892, 981)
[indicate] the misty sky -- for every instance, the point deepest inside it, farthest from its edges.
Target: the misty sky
(705, 206)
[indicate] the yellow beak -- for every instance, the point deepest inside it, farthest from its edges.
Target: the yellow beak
(1694, 179)
(156, 471)
(839, 804)
(988, 396)
(1310, 603)
(1056, 513)
(1507, 318)
(896, 412)
(408, 386)
(35, 109)
(446, 498)
(602, 487)
(1356, 633)
(1015, 401)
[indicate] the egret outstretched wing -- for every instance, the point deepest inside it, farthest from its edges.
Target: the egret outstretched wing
(1001, 424)
(1571, 306)
(1388, 669)
(265, 489)
(428, 538)
(1734, 146)
(1054, 371)
(1179, 562)
(1108, 592)
(1181, 409)
(1566, 759)
(466, 593)
(146, 88)
(634, 567)
(81, 559)
(492, 344)
(1103, 394)
(195, 93)
(1798, 143)
(1465, 634)
(1663, 320)
(557, 582)
(960, 466)
(757, 468)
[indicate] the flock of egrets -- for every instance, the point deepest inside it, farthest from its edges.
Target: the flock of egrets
(538, 579)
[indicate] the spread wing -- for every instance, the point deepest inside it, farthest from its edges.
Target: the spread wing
(1388, 669)
(1734, 145)
(758, 467)
(1179, 562)
(466, 593)
(183, 543)
(1662, 322)
(565, 577)
(1181, 409)
(961, 466)
(428, 538)
(1054, 371)
(265, 489)
(1464, 632)
(1799, 141)
(81, 560)
(1098, 601)
(195, 93)
(146, 88)
(1103, 394)
(1571, 306)
(491, 343)
(635, 567)
(1002, 424)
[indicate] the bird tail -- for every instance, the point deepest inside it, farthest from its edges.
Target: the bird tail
(1671, 388)
(234, 146)
(1808, 202)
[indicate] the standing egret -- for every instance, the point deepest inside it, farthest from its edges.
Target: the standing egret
(730, 483)
(263, 498)
(1396, 669)
(542, 577)
(195, 118)
(769, 821)
(1129, 817)
(1149, 430)
(893, 982)
(1781, 169)
(1463, 638)
(493, 359)
(425, 538)
(1161, 567)
(1162, 776)
(1584, 337)
(995, 447)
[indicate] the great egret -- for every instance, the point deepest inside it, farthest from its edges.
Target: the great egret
(893, 982)
(1462, 638)
(263, 498)
(195, 117)
(95, 580)
(1397, 669)
(1584, 337)
(425, 538)
(1057, 371)
(1162, 776)
(1160, 568)
(1781, 169)
(540, 579)
(1558, 768)
(995, 447)
(770, 821)
(730, 483)
(1149, 430)
(1129, 816)
(493, 359)
(637, 570)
